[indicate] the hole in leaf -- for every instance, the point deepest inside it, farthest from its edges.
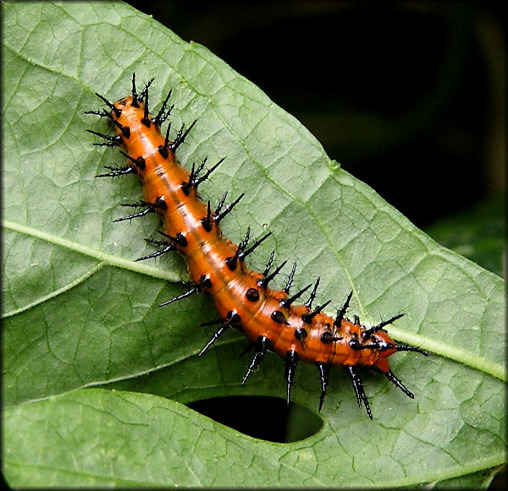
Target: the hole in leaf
(266, 418)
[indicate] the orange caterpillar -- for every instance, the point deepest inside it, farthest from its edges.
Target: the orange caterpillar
(242, 297)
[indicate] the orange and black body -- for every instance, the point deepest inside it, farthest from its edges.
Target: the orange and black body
(268, 318)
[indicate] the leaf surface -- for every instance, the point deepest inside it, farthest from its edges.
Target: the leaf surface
(79, 312)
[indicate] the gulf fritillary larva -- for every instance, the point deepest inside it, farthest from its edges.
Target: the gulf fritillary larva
(217, 267)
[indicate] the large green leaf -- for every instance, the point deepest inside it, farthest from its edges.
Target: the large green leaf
(79, 312)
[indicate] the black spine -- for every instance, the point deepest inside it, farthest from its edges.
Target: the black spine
(291, 361)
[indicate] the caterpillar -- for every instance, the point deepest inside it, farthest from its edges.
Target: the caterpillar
(243, 299)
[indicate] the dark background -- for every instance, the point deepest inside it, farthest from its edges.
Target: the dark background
(408, 96)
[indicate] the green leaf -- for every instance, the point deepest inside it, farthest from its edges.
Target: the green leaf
(79, 312)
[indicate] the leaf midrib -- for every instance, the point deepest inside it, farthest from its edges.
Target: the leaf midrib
(110, 259)
(437, 347)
